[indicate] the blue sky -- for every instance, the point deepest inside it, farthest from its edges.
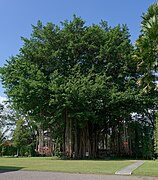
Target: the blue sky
(16, 17)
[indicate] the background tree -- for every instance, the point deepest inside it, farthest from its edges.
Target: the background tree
(156, 137)
(23, 139)
(80, 84)
(147, 48)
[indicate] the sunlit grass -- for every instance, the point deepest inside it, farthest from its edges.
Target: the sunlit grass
(56, 165)
(149, 168)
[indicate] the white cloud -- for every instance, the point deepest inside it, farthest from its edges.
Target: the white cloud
(2, 99)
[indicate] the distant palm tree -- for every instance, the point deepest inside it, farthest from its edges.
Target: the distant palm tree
(150, 22)
(147, 45)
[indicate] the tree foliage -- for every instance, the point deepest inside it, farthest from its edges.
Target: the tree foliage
(79, 83)
(147, 48)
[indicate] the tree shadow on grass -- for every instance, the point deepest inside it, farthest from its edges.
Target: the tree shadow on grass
(5, 169)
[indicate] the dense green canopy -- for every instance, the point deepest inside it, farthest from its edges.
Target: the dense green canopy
(82, 83)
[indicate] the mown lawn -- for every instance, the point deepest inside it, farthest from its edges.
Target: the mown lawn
(149, 168)
(55, 165)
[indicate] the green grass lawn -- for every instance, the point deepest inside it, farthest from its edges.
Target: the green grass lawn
(55, 165)
(149, 168)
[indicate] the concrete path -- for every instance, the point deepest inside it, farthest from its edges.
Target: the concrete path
(128, 169)
(30, 175)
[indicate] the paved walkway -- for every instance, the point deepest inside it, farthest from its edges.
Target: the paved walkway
(30, 175)
(128, 169)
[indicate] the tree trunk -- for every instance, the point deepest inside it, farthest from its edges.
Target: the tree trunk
(76, 141)
(68, 136)
(41, 140)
